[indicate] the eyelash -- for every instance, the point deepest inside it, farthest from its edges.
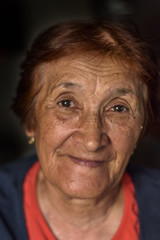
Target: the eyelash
(66, 103)
(119, 108)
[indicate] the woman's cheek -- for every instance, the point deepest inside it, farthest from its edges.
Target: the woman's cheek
(55, 125)
(123, 122)
(124, 134)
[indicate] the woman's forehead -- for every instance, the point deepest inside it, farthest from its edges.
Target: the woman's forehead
(86, 66)
(84, 73)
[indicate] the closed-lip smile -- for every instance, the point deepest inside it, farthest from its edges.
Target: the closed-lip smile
(87, 162)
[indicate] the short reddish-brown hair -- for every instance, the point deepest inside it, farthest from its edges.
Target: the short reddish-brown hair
(77, 38)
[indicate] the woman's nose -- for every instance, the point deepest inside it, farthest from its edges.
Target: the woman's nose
(91, 134)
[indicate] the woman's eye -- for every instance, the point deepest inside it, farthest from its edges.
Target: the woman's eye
(66, 103)
(119, 108)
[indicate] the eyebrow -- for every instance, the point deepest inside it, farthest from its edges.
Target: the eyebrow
(124, 91)
(68, 85)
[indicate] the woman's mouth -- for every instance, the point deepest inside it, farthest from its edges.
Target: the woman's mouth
(87, 162)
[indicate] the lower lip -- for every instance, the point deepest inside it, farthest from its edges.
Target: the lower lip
(87, 163)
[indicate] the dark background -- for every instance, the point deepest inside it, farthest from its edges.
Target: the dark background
(21, 21)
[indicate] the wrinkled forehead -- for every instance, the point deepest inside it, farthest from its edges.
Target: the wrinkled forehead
(89, 66)
(88, 70)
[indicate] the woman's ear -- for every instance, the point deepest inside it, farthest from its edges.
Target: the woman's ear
(29, 132)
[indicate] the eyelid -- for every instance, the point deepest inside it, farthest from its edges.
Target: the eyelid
(63, 94)
(63, 100)
(120, 102)
(68, 97)
(120, 105)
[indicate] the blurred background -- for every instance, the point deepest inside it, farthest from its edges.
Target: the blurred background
(21, 21)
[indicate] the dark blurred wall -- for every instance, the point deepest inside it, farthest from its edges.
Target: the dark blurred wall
(20, 21)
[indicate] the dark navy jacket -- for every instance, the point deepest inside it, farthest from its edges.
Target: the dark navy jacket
(12, 221)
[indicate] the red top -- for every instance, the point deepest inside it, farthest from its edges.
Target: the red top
(38, 228)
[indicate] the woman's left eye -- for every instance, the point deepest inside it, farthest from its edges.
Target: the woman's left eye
(119, 108)
(66, 103)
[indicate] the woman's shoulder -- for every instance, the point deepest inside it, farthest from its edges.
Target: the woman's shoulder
(146, 181)
(13, 173)
(12, 221)
(147, 192)
(142, 173)
(22, 163)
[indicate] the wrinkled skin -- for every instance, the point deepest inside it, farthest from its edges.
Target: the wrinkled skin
(88, 120)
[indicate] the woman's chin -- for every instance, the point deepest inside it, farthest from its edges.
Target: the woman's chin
(82, 179)
(83, 186)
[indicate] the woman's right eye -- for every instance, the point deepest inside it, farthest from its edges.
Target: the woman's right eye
(66, 103)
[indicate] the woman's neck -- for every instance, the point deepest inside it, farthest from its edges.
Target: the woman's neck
(75, 218)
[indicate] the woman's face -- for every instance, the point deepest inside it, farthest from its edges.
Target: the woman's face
(89, 115)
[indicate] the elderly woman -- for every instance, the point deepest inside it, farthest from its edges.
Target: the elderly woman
(86, 94)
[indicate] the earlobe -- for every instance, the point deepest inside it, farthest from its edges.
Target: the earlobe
(29, 133)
